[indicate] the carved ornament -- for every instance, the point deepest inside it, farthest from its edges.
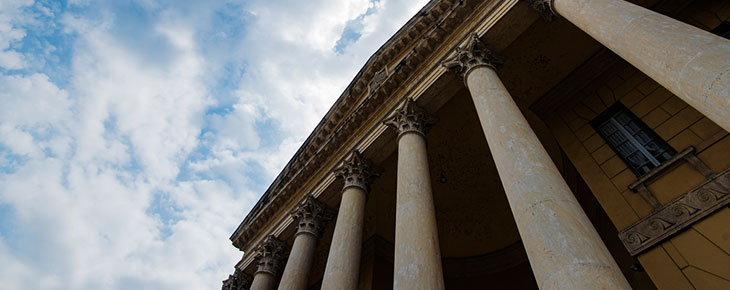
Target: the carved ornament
(311, 216)
(545, 8)
(378, 79)
(271, 255)
(409, 117)
(678, 214)
(238, 281)
(357, 171)
(475, 54)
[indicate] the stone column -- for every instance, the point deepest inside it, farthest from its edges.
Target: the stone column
(343, 263)
(311, 216)
(688, 61)
(270, 255)
(564, 249)
(417, 253)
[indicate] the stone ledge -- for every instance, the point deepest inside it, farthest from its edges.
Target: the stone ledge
(678, 214)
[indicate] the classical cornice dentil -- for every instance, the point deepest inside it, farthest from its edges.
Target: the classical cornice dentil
(545, 8)
(409, 117)
(474, 54)
(311, 216)
(271, 255)
(357, 171)
(238, 281)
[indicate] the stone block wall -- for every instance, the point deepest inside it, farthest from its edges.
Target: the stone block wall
(698, 257)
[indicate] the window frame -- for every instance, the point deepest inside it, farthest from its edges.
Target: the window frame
(609, 114)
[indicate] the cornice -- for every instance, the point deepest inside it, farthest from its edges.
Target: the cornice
(422, 34)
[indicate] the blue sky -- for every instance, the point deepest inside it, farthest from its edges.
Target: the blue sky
(136, 135)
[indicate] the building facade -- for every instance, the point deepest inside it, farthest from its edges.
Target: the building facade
(543, 144)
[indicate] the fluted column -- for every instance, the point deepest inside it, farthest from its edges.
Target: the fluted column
(311, 216)
(564, 249)
(417, 253)
(688, 61)
(343, 263)
(270, 255)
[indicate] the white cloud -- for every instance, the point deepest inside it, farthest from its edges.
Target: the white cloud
(10, 16)
(134, 173)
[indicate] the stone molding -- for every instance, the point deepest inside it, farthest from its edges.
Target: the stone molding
(410, 118)
(357, 171)
(311, 216)
(422, 35)
(271, 255)
(473, 55)
(545, 8)
(238, 281)
(678, 214)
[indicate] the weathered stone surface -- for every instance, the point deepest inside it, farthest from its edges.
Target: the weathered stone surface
(417, 255)
(410, 118)
(357, 171)
(311, 216)
(688, 61)
(237, 281)
(677, 214)
(473, 55)
(564, 249)
(270, 255)
(343, 262)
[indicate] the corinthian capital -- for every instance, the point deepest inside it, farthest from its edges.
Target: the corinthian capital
(544, 7)
(311, 215)
(357, 171)
(473, 55)
(238, 281)
(271, 255)
(409, 117)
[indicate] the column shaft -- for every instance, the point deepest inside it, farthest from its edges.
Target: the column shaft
(688, 61)
(299, 263)
(564, 249)
(417, 254)
(343, 262)
(263, 281)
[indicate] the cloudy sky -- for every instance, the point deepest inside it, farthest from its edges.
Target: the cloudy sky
(135, 135)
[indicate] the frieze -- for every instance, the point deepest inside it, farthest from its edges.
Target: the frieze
(678, 214)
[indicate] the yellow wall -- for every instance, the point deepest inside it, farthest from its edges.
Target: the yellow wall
(699, 257)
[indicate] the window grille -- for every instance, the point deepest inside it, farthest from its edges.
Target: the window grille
(637, 145)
